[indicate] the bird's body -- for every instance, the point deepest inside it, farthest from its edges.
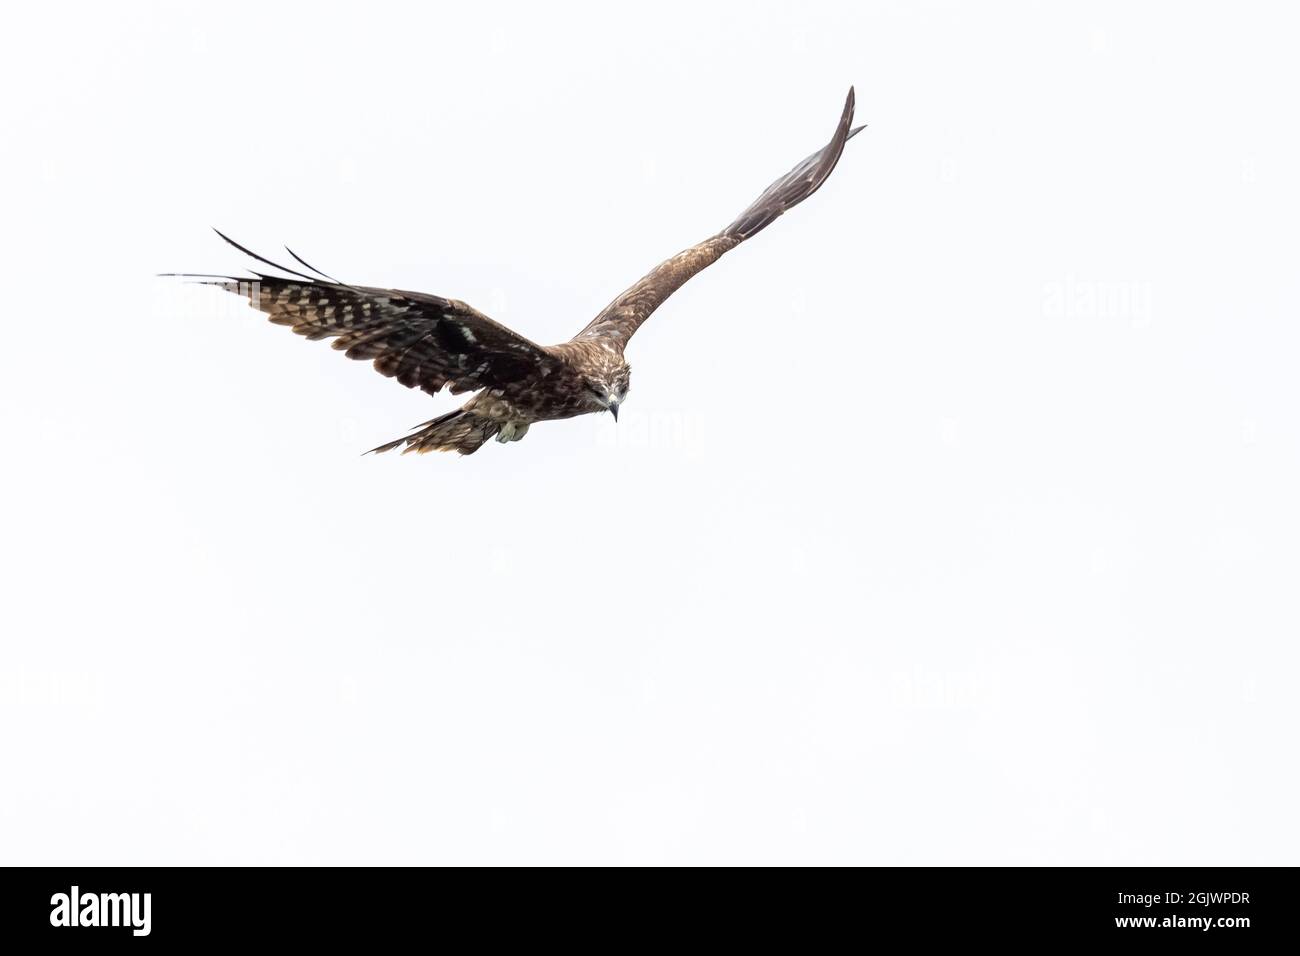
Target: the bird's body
(430, 342)
(506, 413)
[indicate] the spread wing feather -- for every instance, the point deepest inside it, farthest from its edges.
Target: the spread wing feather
(622, 317)
(423, 341)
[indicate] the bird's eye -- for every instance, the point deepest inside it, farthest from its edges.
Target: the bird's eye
(599, 393)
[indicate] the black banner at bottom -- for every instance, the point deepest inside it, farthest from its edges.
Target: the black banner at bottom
(96, 907)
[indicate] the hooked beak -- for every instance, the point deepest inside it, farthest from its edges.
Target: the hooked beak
(613, 410)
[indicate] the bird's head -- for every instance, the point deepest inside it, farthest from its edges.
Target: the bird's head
(607, 385)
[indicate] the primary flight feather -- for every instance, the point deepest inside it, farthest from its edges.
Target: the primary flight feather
(433, 343)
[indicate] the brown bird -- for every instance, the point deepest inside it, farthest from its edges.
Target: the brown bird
(430, 342)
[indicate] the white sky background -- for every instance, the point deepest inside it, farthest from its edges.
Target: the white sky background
(951, 520)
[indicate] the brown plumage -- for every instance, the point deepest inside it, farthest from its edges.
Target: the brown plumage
(432, 343)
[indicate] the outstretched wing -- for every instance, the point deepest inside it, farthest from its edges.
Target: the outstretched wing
(423, 341)
(622, 317)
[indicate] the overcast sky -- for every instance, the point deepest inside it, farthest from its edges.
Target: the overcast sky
(953, 519)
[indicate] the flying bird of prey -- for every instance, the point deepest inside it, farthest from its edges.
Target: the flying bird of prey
(432, 343)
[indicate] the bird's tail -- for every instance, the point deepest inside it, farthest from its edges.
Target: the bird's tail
(460, 431)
